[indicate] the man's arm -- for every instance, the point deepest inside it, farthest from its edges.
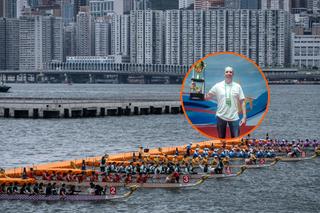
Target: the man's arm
(244, 112)
(210, 94)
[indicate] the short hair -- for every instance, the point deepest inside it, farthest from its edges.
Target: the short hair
(228, 68)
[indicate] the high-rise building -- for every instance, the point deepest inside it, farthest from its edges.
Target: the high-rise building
(276, 5)
(12, 44)
(28, 37)
(2, 44)
(185, 3)
(35, 3)
(69, 43)
(142, 4)
(84, 34)
(100, 8)
(76, 6)
(313, 5)
(158, 37)
(299, 3)
(102, 37)
(22, 5)
(40, 41)
(1, 8)
(207, 4)
(120, 35)
(172, 37)
(67, 9)
(146, 37)
(9, 8)
(191, 35)
(250, 4)
(232, 4)
(123, 6)
(299, 6)
(262, 35)
(56, 38)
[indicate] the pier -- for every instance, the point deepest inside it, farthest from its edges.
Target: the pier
(76, 108)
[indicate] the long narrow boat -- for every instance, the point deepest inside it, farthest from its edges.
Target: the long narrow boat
(79, 197)
(137, 185)
(288, 159)
(220, 176)
(170, 185)
(257, 166)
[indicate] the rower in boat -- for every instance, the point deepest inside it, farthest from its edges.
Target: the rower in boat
(128, 179)
(226, 161)
(103, 164)
(94, 177)
(231, 154)
(41, 188)
(176, 152)
(176, 175)
(60, 176)
(206, 169)
(169, 179)
(173, 178)
(83, 165)
(63, 190)
(116, 178)
(188, 149)
(24, 173)
(175, 159)
(296, 152)
(53, 192)
(3, 188)
(196, 153)
(219, 167)
(205, 153)
(139, 178)
(251, 160)
(204, 160)
(188, 169)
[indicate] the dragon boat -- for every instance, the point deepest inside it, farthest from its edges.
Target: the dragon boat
(220, 176)
(158, 182)
(295, 159)
(78, 197)
(257, 166)
(81, 196)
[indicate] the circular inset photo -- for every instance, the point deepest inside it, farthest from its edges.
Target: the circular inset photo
(225, 95)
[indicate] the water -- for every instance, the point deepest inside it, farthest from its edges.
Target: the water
(287, 187)
(93, 91)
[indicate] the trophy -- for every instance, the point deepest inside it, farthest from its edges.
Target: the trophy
(197, 88)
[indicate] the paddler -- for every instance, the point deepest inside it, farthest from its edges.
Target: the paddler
(219, 167)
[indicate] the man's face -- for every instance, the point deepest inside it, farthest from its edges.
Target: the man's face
(228, 74)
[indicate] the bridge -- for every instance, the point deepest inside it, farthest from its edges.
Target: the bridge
(126, 73)
(90, 72)
(291, 75)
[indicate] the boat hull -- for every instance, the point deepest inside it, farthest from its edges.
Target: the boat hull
(4, 88)
(59, 197)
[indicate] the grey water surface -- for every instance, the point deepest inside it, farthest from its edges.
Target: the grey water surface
(286, 187)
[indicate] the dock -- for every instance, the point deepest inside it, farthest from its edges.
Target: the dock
(79, 108)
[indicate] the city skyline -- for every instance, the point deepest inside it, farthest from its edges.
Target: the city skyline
(179, 37)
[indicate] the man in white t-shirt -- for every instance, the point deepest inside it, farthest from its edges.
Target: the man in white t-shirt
(229, 95)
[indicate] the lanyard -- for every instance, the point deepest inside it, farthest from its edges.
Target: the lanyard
(228, 94)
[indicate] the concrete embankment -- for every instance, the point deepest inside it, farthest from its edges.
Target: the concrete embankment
(78, 108)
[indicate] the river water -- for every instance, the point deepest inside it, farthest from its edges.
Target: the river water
(287, 187)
